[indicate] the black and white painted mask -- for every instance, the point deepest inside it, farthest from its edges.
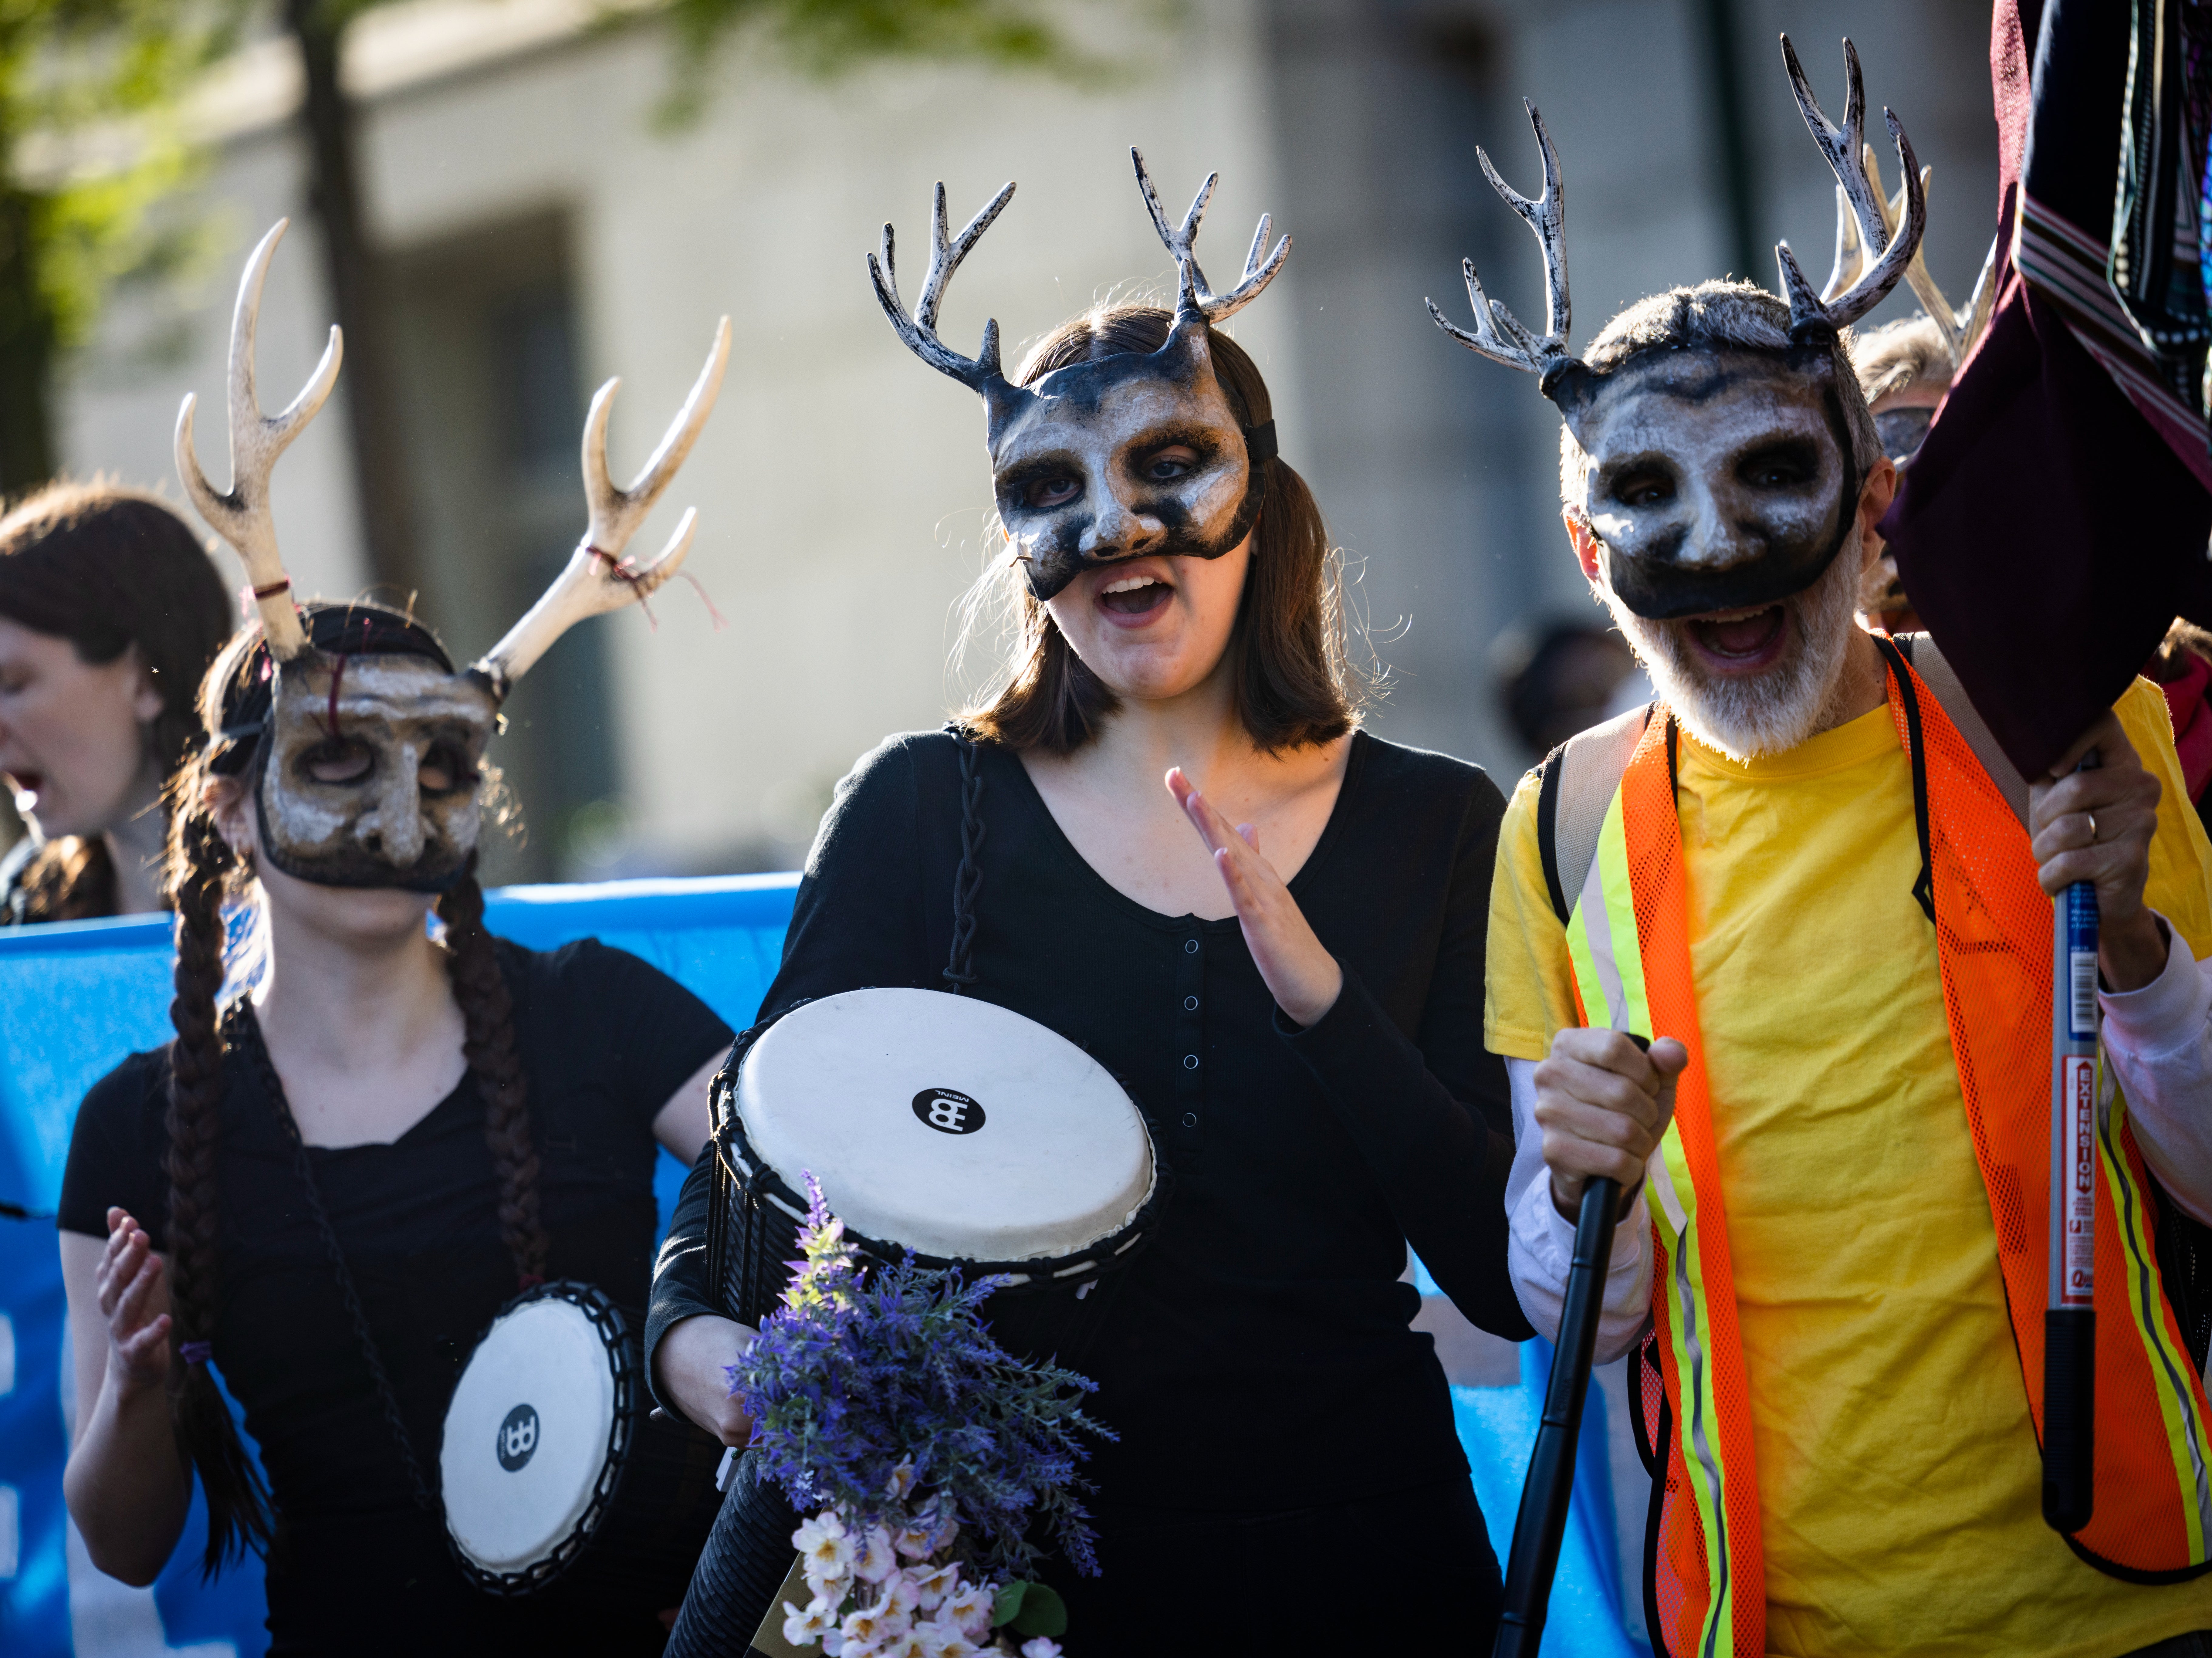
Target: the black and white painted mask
(1074, 466)
(368, 745)
(1720, 479)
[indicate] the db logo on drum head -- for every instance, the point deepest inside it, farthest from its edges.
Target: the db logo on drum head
(518, 1437)
(948, 1110)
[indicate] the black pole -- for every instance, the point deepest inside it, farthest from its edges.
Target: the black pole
(1542, 1520)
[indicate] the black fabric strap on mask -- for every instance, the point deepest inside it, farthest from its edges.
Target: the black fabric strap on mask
(1260, 442)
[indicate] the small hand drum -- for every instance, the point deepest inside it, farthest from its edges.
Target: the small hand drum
(537, 1436)
(945, 1125)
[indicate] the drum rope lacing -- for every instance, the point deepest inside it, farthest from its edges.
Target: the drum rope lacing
(968, 880)
(245, 1032)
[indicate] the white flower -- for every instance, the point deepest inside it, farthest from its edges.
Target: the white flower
(802, 1629)
(943, 1641)
(900, 1592)
(822, 1544)
(916, 1543)
(831, 1586)
(910, 1644)
(834, 1644)
(970, 1606)
(901, 1481)
(875, 1560)
(932, 1587)
(874, 1626)
(1043, 1647)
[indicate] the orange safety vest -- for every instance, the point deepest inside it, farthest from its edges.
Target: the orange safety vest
(1629, 942)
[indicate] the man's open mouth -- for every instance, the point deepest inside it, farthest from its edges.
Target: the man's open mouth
(1134, 596)
(1739, 639)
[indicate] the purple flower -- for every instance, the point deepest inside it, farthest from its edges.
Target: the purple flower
(878, 1390)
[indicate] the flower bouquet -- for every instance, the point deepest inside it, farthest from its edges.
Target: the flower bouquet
(932, 1459)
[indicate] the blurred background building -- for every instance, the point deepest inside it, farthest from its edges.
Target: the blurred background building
(541, 223)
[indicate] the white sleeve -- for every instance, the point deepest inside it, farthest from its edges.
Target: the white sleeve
(2159, 1039)
(1540, 1242)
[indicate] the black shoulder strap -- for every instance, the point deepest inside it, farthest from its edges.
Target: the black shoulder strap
(1924, 889)
(1547, 829)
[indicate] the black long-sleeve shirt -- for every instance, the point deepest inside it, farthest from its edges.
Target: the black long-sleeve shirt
(1259, 1355)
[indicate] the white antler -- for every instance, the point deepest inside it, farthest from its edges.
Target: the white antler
(1812, 314)
(1498, 334)
(242, 515)
(1258, 272)
(1960, 326)
(597, 578)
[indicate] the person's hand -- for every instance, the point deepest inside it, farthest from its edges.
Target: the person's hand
(691, 1363)
(1300, 973)
(134, 1299)
(2097, 826)
(1603, 1102)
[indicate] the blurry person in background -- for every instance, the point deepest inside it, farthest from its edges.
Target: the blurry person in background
(1904, 372)
(2182, 670)
(110, 613)
(1559, 681)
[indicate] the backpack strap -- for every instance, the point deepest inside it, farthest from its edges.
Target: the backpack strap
(1579, 779)
(1919, 650)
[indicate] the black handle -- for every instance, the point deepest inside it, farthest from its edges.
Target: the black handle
(1542, 1520)
(2069, 1410)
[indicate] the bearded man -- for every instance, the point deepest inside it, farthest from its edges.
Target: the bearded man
(1808, 880)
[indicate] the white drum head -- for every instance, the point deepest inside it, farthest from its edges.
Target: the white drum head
(526, 1434)
(946, 1125)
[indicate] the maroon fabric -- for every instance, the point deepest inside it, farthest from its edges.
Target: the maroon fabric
(2186, 705)
(2046, 536)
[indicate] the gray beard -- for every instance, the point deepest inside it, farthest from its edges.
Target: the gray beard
(1748, 718)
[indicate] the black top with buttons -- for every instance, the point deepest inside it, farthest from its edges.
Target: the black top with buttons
(1259, 1357)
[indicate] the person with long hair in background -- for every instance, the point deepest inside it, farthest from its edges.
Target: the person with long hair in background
(1267, 923)
(110, 613)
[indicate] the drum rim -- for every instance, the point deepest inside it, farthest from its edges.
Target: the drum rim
(756, 1180)
(614, 1334)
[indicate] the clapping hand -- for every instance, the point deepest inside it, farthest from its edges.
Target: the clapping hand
(133, 1298)
(1300, 973)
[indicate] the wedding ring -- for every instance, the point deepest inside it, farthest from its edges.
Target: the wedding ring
(2092, 828)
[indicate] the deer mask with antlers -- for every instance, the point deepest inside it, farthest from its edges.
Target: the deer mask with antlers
(1726, 449)
(365, 742)
(1076, 462)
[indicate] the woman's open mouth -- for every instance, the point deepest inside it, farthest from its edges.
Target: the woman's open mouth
(1739, 641)
(1132, 600)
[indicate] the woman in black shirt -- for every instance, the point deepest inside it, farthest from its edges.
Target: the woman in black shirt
(468, 1116)
(1309, 1057)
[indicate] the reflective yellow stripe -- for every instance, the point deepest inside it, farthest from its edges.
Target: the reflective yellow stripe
(1608, 959)
(1700, 1408)
(2170, 1367)
(1603, 945)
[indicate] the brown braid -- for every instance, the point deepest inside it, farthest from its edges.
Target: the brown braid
(199, 867)
(488, 1044)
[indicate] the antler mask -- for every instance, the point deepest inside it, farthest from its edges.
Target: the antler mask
(369, 745)
(1725, 477)
(1076, 461)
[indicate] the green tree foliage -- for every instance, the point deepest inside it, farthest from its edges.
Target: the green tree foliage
(827, 37)
(74, 219)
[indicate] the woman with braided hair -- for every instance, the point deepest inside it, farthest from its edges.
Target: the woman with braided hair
(366, 1139)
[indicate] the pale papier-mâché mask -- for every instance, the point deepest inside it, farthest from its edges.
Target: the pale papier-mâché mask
(1724, 478)
(367, 761)
(1072, 465)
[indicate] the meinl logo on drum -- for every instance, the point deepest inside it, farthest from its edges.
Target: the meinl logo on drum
(948, 1110)
(518, 1437)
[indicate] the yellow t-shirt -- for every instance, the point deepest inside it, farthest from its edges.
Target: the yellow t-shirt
(1899, 1480)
